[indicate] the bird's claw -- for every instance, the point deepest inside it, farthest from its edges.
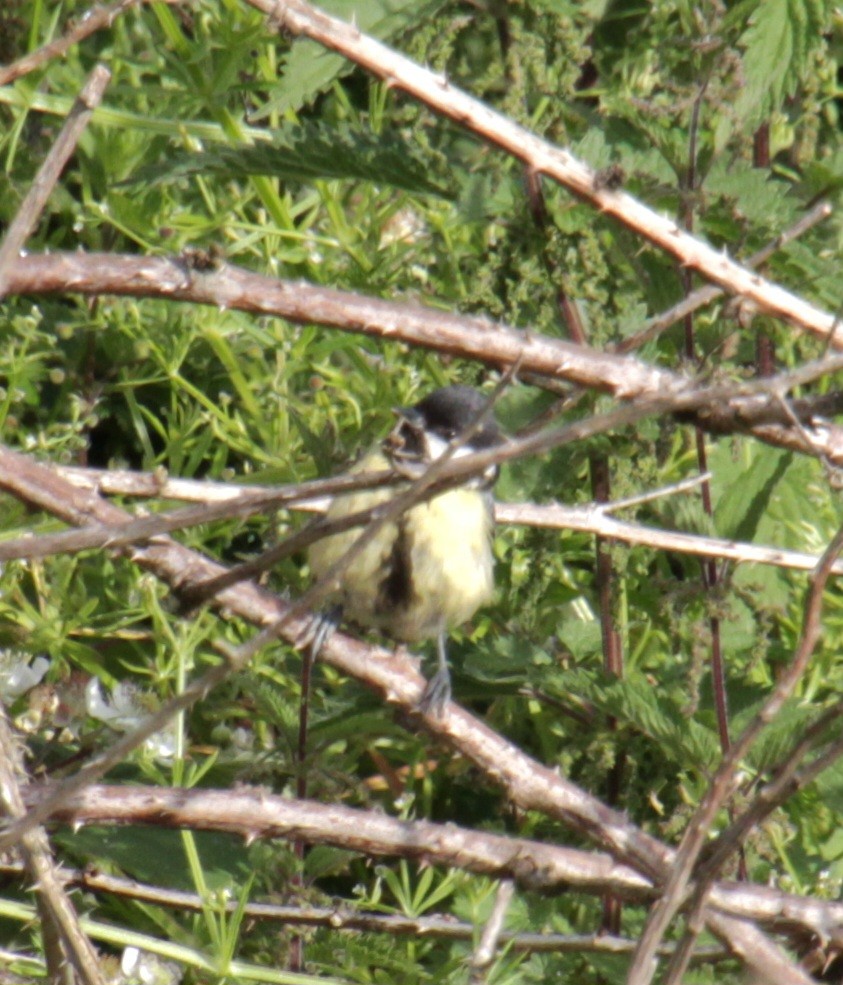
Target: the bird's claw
(437, 694)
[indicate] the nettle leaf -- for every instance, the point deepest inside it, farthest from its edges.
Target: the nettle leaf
(309, 68)
(747, 487)
(823, 177)
(634, 701)
(776, 46)
(757, 195)
(829, 783)
(311, 152)
(782, 733)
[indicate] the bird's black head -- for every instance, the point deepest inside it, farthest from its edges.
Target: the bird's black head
(424, 430)
(447, 412)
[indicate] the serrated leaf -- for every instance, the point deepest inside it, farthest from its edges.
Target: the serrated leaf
(830, 785)
(759, 195)
(310, 68)
(307, 153)
(749, 488)
(776, 47)
(636, 702)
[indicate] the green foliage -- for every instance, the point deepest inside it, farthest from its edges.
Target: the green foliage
(216, 134)
(308, 69)
(777, 41)
(307, 153)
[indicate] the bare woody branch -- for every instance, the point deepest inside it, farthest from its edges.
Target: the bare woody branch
(624, 377)
(351, 919)
(591, 518)
(705, 295)
(64, 942)
(35, 199)
(543, 158)
(228, 286)
(487, 947)
(255, 813)
(83, 25)
(526, 782)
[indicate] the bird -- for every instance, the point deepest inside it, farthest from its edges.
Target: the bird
(428, 570)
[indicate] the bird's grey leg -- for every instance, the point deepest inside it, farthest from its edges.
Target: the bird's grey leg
(322, 627)
(437, 693)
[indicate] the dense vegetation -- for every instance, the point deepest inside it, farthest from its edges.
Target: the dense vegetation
(221, 140)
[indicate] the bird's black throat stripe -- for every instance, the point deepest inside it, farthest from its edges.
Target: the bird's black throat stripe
(396, 589)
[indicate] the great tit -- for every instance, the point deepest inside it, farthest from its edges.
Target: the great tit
(429, 570)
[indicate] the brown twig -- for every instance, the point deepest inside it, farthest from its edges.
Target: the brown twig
(494, 344)
(65, 945)
(231, 287)
(542, 157)
(643, 964)
(705, 295)
(255, 813)
(94, 19)
(138, 529)
(588, 518)
(349, 919)
(42, 186)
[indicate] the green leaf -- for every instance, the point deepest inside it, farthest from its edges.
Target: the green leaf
(636, 702)
(749, 488)
(309, 68)
(776, 45)
(307, 153)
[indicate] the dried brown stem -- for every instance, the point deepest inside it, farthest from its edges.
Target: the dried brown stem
(42, 186)
(499, 345)
(589, 518)
(83, 25)
(490, 939)
(346, 918)
(251, 501)
(65, 945)
(254, 813)
(644, 965)
(543, 158)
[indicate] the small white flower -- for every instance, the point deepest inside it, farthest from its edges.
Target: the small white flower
(125, 712)
(17, 675)
(143, 968)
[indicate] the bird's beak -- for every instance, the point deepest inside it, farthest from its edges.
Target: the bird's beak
(400, 441)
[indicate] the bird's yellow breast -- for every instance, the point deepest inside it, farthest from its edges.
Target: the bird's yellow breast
(430, 570)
